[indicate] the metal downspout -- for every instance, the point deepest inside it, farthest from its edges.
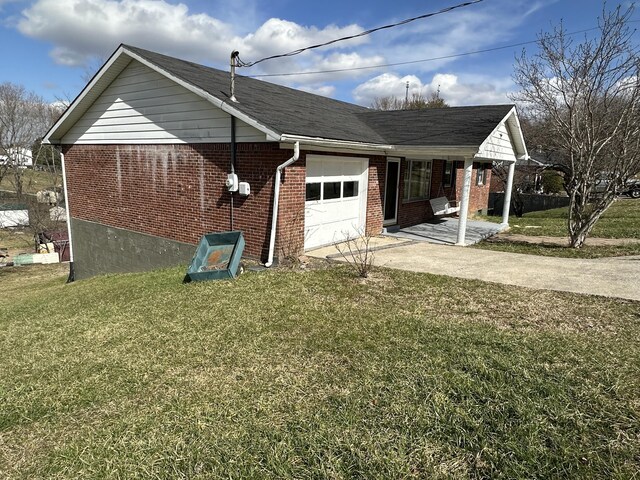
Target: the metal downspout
(72, 273)
(276, 195)
(233, 163)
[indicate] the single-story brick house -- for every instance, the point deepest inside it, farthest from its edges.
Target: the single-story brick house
(149, 144)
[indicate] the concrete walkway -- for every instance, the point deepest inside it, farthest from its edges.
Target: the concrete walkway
(612, 277)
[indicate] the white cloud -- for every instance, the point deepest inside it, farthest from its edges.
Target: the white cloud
(472, 91)
(386, 85)
(82, 29)
(280, 36)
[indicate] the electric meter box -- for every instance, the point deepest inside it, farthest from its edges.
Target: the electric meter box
(232, 182)
(244, 188)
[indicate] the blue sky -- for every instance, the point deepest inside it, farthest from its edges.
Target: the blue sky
(51, 45)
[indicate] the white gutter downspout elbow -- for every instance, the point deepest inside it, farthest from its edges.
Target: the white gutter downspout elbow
(276, 195)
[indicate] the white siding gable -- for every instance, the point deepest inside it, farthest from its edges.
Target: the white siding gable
(142, 106)
(498, 146)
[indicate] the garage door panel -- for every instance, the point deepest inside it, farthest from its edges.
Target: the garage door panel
(321, 216)
(333, 219)
(333, 233)
(314, 171)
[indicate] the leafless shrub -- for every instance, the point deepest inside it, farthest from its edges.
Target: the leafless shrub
(358, 253)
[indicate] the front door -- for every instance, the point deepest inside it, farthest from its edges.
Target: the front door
(391, 191)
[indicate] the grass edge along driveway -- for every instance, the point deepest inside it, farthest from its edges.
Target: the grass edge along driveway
(620, 221)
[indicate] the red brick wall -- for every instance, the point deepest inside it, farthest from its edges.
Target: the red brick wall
(479, 194)
(178, 192)
(375, 194)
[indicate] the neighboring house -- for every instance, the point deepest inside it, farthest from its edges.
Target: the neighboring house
(528, 175)
(13, 215)
(151, 140)
(20, 157)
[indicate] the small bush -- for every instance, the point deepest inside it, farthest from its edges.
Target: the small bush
(552, 182)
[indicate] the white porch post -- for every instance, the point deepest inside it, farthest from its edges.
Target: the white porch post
(464, 205)
(507, 195)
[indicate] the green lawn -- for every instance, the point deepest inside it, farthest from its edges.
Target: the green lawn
(622, 220)
(313, 375)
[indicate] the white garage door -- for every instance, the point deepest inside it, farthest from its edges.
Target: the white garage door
(336, 199)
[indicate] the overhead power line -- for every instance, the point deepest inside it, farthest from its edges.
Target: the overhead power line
(361, 34)
(410, 62)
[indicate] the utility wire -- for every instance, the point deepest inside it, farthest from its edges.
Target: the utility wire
(361, 34)
(410, 62)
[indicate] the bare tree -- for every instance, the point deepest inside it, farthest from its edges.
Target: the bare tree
(417, 101)
(24, 118)
(587, 97)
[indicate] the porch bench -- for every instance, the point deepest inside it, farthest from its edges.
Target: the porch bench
(444, 206)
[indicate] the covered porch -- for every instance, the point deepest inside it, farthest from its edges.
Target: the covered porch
(451, 179)
(445, 231)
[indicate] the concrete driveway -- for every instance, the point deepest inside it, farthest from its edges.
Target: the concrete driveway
(612, 277)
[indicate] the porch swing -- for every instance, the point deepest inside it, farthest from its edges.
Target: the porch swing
(441, 205)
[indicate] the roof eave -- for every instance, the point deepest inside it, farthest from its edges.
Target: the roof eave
(376, 148)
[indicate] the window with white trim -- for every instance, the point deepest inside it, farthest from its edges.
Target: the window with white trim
(331, 190)
(481, 174)
(417, 179)
(449, 174)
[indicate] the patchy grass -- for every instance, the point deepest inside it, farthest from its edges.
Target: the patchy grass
(313, 375)
(550, 250)
(16, 239)
(622, 220)
(33, 181)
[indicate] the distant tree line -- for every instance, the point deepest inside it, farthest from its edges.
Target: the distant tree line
(417, 101)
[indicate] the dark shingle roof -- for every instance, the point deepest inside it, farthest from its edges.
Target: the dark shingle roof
(295, 112)
(453, 126)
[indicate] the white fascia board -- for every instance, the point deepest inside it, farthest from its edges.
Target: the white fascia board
(522, 155)
(221, 104)
(82, 95)
(480, 159)
(435, 151)
(326, 144)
